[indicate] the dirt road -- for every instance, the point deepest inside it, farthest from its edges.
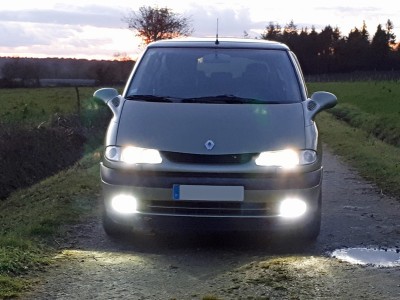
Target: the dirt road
(355, 214)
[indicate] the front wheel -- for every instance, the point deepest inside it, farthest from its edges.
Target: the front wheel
(312, 229)
(112, 228)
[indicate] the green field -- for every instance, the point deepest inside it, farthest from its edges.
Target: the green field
(31, 219)
(33, 106)
(373, 106)
(36, 105)
(364, 128)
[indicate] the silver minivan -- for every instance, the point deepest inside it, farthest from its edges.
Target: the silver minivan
(213, 135)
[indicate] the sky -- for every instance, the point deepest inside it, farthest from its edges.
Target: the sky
(95, 29)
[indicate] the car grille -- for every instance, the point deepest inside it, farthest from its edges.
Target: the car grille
(208, 159)
(206, 208)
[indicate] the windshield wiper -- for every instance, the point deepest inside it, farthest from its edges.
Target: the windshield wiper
(153, 98)
(226, 99)
(229, 99)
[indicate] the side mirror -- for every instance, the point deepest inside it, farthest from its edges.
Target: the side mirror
(318, 102)
(110, 97)
(325, 100)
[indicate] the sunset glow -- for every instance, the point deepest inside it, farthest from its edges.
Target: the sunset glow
(96, 30)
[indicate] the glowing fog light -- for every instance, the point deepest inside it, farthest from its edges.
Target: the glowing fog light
(292, 208)
(124, 204)
(136, 155)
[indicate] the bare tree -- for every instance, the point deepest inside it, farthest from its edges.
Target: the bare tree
(153, 24)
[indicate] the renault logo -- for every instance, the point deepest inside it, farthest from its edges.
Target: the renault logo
(209, 145)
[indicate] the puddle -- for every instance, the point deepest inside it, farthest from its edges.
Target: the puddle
(369, 256)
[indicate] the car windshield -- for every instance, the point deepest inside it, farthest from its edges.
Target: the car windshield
(204, 75)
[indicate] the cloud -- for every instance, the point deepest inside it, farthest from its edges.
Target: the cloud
(99, 16)
(348, 17)
(350, 11)
(232, 22)
(77, 28)
(16, 35)
(49, 40)
(27, 34)
(65, 31)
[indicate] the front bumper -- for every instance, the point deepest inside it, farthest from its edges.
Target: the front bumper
(156, 208)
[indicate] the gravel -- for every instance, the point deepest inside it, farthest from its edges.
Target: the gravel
(355, 214)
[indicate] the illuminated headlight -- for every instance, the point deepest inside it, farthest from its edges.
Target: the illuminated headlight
(133, 155)
(292, 208)
(124, 204)
(286, 158)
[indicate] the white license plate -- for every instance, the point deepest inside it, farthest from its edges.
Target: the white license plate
(208, 192)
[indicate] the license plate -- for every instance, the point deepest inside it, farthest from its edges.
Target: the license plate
(208, 192)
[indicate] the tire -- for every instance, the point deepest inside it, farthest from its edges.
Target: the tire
(308, 231)
(111, 228)
(312, 229)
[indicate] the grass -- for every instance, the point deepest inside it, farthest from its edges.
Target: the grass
(372, 141)
(371, 106)
(56, 200)
(10, 288)
(35, 105)
(377, 97)
(31, 219)
(375, 160)
(31, 107)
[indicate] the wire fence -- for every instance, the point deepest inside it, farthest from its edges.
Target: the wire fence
(393, 75)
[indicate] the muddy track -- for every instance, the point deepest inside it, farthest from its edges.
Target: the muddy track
(355, 214)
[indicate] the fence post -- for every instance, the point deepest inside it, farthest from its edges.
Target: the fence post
(78, 101)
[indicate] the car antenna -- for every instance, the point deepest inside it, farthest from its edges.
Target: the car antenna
(216, 36)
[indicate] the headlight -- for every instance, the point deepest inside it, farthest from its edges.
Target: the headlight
(133, 155)
(286, 158)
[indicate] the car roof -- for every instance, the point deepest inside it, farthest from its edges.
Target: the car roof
(219, 43)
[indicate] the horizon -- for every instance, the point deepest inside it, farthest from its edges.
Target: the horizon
(94, 30)
(75, 58)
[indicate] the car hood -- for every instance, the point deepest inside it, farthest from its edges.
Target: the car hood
(232, 128)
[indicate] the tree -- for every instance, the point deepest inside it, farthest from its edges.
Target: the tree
(272, 32)
(289, 35)
(24, 71)
(357, 50)
(380, 47)
(153, 24)
(389, 31)
(364, 31)
(328, 51)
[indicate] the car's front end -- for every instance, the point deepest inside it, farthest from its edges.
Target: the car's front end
(211, 150)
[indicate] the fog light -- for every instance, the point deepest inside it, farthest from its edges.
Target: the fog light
(124, 204)
(292, 208)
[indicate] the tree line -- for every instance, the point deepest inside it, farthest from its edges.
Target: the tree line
(330, 52)
(30, 72)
